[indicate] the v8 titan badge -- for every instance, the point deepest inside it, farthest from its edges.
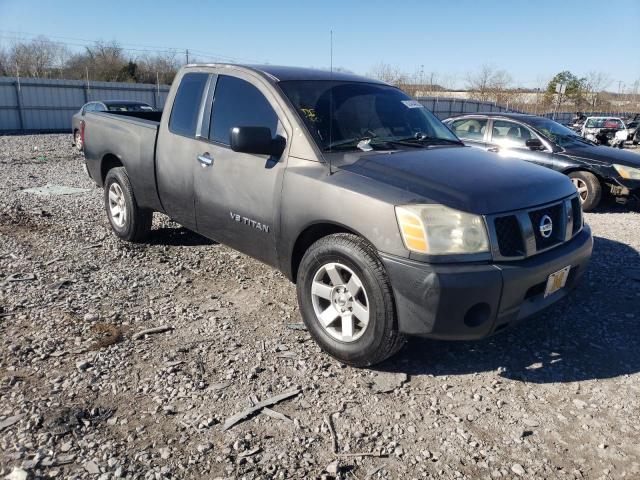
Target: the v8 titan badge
(556, 281)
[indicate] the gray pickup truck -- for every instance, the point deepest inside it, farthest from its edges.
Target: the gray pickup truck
(386, 222)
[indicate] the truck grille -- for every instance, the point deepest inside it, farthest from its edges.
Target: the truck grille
(555, 213)
(509, 236)
(517, 235)
(576, 208)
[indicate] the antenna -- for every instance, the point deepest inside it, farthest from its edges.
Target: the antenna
(330, 96)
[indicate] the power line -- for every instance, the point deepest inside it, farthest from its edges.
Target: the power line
(132, 47)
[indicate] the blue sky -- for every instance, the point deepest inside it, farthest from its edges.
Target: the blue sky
(531, 40)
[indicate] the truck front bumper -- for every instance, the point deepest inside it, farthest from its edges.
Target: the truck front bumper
(472, 300)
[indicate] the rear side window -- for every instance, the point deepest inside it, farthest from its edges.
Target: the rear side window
(237, 103)
(469, 128)
(186, 105)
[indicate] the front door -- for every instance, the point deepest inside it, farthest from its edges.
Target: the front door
(238, 194)
(508, 138)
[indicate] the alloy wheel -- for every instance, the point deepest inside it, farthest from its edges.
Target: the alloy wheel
(581, 186)
(78, 141)
(117, 205)
(340, 302)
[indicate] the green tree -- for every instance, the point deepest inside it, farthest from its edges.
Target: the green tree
(575, 89)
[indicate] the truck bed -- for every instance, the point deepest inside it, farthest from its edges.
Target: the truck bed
(128, 138)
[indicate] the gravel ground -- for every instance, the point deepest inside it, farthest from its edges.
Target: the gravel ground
(81, 396)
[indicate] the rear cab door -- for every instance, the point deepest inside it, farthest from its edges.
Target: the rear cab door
(179, 146)
(472, 130)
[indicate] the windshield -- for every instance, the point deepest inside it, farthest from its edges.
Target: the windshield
(362, 112)
(558, 134)
(130, 107)
(601, 122)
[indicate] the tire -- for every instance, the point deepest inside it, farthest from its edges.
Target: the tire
(362, 344)
(77, 141)
(127, 219)
(588, 187)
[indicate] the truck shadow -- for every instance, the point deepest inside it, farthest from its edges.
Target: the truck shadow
(178, 236)
(594, 333)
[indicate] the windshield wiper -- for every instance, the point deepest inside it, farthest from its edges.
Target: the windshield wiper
(422, 139)
(368, 142)
(351, 143)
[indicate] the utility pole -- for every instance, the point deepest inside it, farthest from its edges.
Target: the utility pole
(186, 53)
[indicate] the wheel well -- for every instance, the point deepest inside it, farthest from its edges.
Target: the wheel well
(308, 237)
(109, 161)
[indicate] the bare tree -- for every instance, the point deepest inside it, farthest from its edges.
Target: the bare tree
(108, 62)
(488, 84)
(596, 83)
(39, 57)
(5, 65)
(388, 73)
(160, 68)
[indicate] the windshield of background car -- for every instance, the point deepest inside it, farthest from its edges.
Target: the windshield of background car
(558, 134)
(337, 112)
(613, 123)
(130, 107)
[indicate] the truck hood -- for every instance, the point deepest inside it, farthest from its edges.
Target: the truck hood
(605, 155)
(463, 178)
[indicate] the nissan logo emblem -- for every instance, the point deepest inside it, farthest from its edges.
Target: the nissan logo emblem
(546, 226)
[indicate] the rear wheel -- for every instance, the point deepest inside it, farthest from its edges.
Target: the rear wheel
(346, 300)
(127, 219)
(589, 189)
(77, 140)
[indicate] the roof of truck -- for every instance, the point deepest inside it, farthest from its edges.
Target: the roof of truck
(282, 73)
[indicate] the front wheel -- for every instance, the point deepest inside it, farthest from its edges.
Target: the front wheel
(346, 300)
(127, 219)
(588, 187)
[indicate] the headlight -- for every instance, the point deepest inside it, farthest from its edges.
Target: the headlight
(627, 172)
(440, 230)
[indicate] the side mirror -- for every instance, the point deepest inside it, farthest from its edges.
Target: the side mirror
(534, 144)
(256, 140)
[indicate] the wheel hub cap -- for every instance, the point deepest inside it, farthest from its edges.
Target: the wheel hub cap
(117, 205)
(340, 302)
(581, 187)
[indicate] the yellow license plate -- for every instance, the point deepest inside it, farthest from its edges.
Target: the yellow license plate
(556, 281)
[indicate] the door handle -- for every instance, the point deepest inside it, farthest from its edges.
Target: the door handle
(205, 160)
(493, 149)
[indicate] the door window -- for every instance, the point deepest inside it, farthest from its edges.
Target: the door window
(470, 128)
(237, 103)
(509, 134)
(186, 105)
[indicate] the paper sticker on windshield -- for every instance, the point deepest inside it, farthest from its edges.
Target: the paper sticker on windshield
(412, 104)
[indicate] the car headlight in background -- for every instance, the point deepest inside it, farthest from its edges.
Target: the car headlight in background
(627, 172)
(440, 230)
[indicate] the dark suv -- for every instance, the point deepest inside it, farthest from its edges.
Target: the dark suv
(592, 168)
